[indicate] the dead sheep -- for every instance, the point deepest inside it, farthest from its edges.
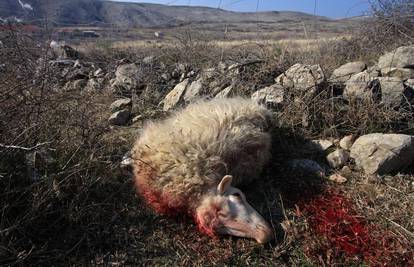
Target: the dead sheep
(189, 162)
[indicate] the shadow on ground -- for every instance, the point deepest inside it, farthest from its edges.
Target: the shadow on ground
(98, 219)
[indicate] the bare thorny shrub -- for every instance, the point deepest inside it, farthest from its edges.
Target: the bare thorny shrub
(395, 20)
(54, 165)
(390, 26)
(327, 115)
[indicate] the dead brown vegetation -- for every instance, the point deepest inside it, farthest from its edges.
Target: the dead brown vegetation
(78, 209)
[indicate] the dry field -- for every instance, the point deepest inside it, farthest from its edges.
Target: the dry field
(72, 204)
(290, 45)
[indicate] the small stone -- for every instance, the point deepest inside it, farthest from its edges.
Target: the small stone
(409, 84)
(208, 74)
(77, 64)
(182, 77)
(166, 77)
(338, 158)
(226, 92)
(191, 74)
(136, 119)
(320, 144)
(346, 142)
(194, 90)
(182, 68)
(174, 97)
(271, 96)
(126, 164)
(393, 92)
(125, 103)
(119, 118)
(379, 153)
(98, 73)
(401, 73)
(402, 57)
(337, 178)
(344, 72)
(127, 77)
(302, 77)
(361, 85)
(148, 60)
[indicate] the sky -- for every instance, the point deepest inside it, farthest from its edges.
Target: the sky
(329, 8)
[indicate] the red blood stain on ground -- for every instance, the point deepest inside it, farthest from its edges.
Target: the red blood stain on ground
(348, 235)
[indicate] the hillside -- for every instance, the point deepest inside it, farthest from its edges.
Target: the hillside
(76, 12)
(108, 157)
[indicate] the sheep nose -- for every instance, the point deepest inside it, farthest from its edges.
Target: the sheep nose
(264, 233)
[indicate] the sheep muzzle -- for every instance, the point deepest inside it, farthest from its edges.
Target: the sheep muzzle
(228, 212)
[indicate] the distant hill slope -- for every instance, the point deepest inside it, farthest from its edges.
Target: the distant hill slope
(125, 14)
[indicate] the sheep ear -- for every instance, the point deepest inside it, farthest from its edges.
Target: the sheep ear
(224, 184)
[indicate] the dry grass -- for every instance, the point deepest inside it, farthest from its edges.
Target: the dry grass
(290, 43)
(81, 210)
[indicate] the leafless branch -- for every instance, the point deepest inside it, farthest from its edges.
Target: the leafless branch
(24, 148)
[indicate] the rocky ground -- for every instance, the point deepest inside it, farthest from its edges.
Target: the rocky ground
(343, 140)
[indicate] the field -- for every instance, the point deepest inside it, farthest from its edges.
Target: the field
(65, 200)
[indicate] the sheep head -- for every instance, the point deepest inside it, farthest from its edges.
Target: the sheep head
(226, 211)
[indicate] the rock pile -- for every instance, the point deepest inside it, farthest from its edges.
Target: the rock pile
(390, 83)
(374, 153)
(75, 75)
(121, 112)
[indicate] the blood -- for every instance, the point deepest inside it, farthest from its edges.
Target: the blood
(161, 204)
(208, 221)
(203, 228)
(334, 217)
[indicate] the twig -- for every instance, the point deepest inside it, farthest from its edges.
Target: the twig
(24, 148)
(73, 155)
(75, 246)
(283, 207)
(410, 234)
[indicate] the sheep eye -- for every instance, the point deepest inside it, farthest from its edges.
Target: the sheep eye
(237, 195)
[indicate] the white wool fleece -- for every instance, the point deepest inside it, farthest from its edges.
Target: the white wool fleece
(194, 148)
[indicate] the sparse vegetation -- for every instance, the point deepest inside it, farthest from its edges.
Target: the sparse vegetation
(64, 200)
